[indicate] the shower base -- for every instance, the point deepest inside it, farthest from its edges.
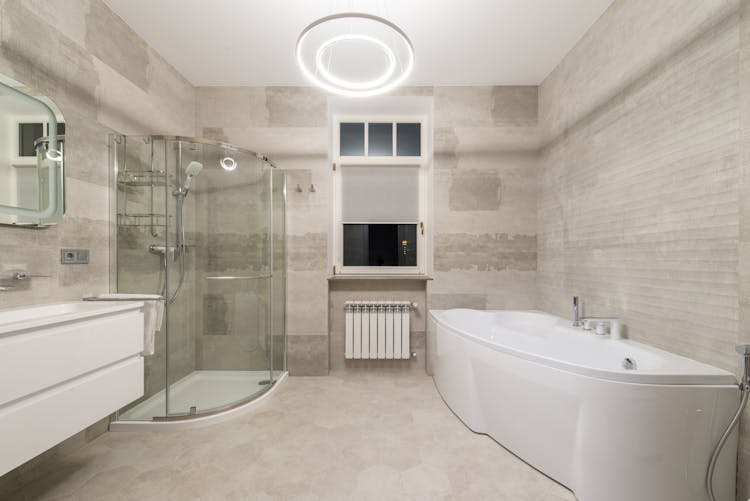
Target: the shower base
(204, 390)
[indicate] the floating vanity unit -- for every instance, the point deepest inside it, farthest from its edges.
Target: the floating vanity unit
(62, 368)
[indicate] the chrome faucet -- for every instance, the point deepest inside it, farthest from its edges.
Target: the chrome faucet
(600, 324)
(576, 320)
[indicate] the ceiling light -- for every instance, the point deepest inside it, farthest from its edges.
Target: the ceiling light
(323, 38)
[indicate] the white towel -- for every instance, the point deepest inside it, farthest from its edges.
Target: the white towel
(153, 315)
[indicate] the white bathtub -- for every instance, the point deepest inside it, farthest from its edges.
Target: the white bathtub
(559, 398)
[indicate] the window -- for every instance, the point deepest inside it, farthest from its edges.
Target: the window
(25, 132)
(28, 133)
(379, 182)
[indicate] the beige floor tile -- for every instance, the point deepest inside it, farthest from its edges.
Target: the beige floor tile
(349, 436)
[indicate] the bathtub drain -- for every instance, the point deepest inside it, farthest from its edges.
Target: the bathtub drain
(629, 364)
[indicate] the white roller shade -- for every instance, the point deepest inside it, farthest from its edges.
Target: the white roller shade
(380, 194)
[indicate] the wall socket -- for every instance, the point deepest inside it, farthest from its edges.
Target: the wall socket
(74, 256)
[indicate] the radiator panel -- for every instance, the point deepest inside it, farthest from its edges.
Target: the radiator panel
(377, 330)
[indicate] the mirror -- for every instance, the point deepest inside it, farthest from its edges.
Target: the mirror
(32, 138)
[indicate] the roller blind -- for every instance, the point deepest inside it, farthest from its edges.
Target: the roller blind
(380, 194)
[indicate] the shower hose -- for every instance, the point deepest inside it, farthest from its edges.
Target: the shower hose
(744, 350)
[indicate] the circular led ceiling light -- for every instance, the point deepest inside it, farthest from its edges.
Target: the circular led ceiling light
(332, 47)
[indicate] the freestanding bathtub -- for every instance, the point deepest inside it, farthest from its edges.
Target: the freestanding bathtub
(560, 399)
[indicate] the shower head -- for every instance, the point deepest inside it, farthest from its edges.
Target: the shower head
(193, 169)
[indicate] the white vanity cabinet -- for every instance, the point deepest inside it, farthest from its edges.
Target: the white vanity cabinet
(62, 368)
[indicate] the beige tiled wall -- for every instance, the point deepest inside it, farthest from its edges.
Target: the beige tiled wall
(485, 196)
(640, 204)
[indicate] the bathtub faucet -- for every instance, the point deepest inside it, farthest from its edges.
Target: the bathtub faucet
(599, 324)
(576, 321)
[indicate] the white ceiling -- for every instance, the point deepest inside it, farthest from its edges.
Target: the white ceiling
(457, 42)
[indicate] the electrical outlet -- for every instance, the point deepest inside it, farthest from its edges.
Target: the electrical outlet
(74, 256)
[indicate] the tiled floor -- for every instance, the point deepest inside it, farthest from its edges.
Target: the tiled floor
(344, 437)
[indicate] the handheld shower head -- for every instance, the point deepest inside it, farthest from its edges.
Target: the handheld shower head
(193, 169)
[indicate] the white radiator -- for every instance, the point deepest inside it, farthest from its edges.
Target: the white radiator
(377, 329)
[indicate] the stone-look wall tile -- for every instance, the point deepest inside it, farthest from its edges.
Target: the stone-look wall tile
(296, 107)
(514, 106)
(278, 142)
(341, 291)
(443, 301)
(62, 17)
(307, 252)
(464, 106)
(475, 190)
(86, 152)
(486, 252)
(445, 142)
(458, 210)
(307, 302)
(498, 138)
(238, 107)
(307, 355)
(307, 211)
(487, 118)
(49, 62)
(503, 290)
(116, 44)
(172, 97)
(485, 197)
(628, 40)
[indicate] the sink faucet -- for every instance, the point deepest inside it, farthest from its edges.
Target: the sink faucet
(576, 320)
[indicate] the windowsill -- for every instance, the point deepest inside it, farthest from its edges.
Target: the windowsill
(422, 278)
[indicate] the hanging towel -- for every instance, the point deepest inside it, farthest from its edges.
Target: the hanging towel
(153, 315)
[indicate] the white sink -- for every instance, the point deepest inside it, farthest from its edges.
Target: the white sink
(29, 317)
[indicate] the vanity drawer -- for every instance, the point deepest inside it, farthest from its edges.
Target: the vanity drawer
(49, 356)
(32, 425)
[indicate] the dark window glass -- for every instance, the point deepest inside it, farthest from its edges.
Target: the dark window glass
(60, 129)
(408, 140)
(27, 134)
(380, 140)
(352, 139)
(380, 245)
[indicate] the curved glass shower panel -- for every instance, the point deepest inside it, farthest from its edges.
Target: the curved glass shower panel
(201, 223)
(219, 343)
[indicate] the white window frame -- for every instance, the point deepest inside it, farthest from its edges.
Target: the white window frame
(339, 161)
(15, 158)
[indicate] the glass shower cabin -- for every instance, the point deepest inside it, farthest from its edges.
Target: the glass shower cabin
(201, 223)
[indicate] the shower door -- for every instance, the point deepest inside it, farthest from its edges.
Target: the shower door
(219, 312)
